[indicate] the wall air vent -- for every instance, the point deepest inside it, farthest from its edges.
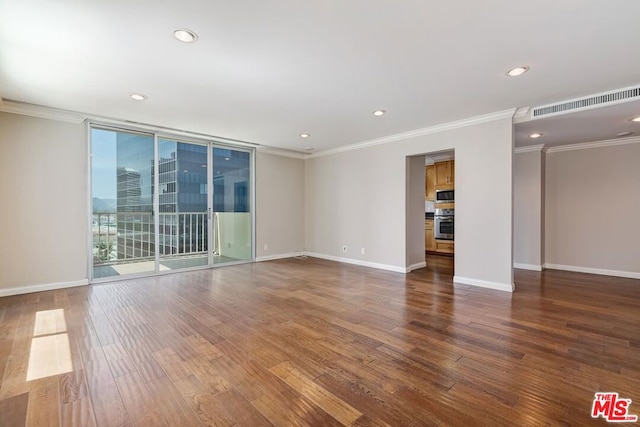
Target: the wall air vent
(599, 100)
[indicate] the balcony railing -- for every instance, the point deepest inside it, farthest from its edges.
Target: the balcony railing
(125, 236)
(105, 241)
(183, 233)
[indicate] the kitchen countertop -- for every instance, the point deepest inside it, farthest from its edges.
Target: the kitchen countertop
(428, 215)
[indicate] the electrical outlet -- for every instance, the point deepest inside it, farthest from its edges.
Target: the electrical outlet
(361, 251)
(344, 249)
(266, 247)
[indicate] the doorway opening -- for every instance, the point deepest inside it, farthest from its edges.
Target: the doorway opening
(431, 210)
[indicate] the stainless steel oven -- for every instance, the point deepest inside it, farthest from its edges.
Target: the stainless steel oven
(443, 224)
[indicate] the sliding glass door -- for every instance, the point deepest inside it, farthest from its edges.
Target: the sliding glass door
(183, 204)
(231, 205)
(162, 204)
(123, 225)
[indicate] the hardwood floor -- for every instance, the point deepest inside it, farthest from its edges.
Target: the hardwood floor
(313, 342)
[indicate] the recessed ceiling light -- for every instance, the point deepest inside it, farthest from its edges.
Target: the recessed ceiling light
(185, 36)
(379, 113)
(517, 71)
(636, 119)
(535, 135)
(621, 134)
(304, 135)
(138, 96)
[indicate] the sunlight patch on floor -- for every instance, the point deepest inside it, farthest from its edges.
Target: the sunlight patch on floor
(49, 322)
(50, 355)
(50, 350)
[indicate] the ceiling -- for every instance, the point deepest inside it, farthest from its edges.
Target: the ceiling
(267, 71)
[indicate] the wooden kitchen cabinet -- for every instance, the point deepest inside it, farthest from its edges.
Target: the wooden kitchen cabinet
(429, 239)
(430, 183)
(445, 174)
(444, 246)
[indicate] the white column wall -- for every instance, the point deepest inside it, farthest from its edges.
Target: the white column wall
(43, 218)
(280, 206)
(528, 207)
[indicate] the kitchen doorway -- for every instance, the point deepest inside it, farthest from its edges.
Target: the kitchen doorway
(439, 210)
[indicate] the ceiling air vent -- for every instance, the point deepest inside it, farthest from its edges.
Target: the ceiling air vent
(615, 97)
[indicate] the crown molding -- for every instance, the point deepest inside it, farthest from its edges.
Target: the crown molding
(530, 148)
(50, 113)
(521, 114)
(282, 152)
(594, 144)
(39, 111)
(77, 118)
(504, 114)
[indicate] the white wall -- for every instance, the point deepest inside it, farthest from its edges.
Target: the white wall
(280, 205)
(357, 198)
(528, 212)
(415, 211)
(43, 196)
(593, 210)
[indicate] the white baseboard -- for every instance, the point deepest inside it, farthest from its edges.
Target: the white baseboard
(533, 267)
(359, 262)
(44, 287)
(484, 284)
(601, 271)
(417, 266)
(277, 256)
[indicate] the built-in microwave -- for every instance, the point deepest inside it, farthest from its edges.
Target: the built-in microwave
(445, 196)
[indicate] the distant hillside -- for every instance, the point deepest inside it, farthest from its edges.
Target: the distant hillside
(104, 205)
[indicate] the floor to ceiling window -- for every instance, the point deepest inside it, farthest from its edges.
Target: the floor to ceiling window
(200, 215)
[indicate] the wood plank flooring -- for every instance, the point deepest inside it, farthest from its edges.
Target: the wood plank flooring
(317, 343)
